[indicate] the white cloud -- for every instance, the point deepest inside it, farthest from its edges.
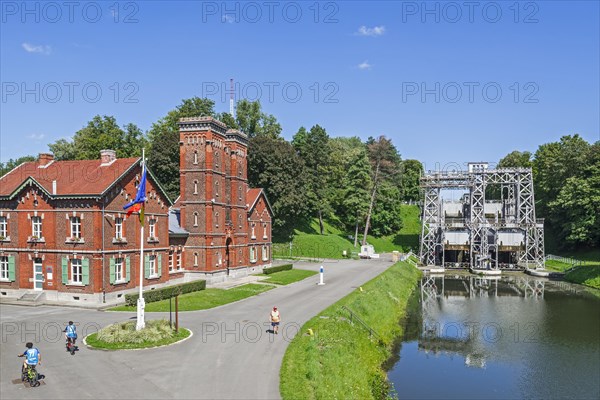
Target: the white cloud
(364, 65)
(375, 31)
(37, 137)
(228, 18)
(41, 49)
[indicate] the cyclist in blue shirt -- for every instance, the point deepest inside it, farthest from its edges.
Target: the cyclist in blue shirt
(70, 333)
(32, 356)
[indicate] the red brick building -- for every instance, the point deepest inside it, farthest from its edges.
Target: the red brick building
(64, 233)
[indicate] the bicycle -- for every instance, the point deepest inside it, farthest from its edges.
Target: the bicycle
(30, 375)
(71, 347)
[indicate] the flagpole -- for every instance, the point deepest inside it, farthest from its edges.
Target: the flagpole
(141, 324)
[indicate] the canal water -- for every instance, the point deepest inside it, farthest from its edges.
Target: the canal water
(513, 337)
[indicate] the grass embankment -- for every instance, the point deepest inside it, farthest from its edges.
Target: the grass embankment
(341, 361)
(587, 267)
(308, 243)
(588, 275)
(123, 335)
(204, 299)
(287, 277)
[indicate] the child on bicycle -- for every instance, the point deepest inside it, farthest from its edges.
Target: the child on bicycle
(32, 356)
(70, 333)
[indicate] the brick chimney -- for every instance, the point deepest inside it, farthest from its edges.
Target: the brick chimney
(107, 156)
(45, 158)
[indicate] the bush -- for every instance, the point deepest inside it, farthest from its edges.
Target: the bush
(166, 293)
(284, 267)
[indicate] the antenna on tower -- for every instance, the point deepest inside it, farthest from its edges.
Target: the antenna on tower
(231, 99)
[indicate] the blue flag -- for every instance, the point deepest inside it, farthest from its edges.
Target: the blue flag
(138, 203)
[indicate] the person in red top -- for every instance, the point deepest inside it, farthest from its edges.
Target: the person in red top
(275, 319)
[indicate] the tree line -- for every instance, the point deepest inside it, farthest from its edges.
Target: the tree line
(358, 186)
(566, 176)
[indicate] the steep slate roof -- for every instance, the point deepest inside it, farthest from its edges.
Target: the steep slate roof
(252, 196)
(80, 178)
(175, 228)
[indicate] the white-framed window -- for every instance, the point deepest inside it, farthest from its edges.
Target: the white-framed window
(119, 275)
(265, 252)
(3, 227)
(216, 188)
(118, 228)
(240, 169)
(76, 271)
(264, 230)
(195, 157)
(4, 268)
(152, 228)
(253, 236)
(76, 227)
(216, 220)
(152, 262)
(219, 258)
(195, 259)
(195, 187)
(217, 160)
(240, 192)
(36, 227)
(195, 219)
(171, 261)
(252, 254)
(179, 257)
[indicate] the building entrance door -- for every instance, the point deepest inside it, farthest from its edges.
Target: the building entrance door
(38, 274)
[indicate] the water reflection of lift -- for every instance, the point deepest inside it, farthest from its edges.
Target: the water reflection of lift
(482, 287)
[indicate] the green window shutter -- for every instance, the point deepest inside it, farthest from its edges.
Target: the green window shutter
(11, 268)
(159, 265)
(65, 270)
(85, 271)
(127, 269)
(112, 271)
(146, 266)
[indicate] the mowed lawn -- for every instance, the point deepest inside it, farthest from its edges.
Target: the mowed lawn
(204, 299)
(287, 277)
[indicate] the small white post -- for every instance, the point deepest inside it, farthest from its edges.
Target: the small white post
(321, 277)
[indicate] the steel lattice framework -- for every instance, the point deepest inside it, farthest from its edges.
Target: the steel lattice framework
(518, 214)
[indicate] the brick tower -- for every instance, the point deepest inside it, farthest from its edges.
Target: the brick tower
(213, 188)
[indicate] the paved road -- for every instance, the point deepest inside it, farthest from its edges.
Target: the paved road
(230, 356)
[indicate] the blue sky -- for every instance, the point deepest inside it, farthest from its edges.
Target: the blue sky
(449, 82)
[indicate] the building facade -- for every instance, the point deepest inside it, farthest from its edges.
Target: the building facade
(64, 233)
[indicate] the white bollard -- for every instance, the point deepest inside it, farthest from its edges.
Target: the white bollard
(321, 277)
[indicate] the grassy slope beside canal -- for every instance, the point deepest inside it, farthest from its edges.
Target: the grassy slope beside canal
(340, 360)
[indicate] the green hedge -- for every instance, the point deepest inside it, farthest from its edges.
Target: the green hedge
(284, 267)
(166, 293)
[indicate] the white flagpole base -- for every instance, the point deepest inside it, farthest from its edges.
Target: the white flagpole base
(141, 323)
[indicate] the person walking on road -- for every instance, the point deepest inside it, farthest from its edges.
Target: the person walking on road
(275, 319)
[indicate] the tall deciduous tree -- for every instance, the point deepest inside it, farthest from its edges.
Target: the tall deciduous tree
(253, 122)
(355, 203)
(410, 172)
(385, 160)
(102, 132)
(274, 165)
(313, 148)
